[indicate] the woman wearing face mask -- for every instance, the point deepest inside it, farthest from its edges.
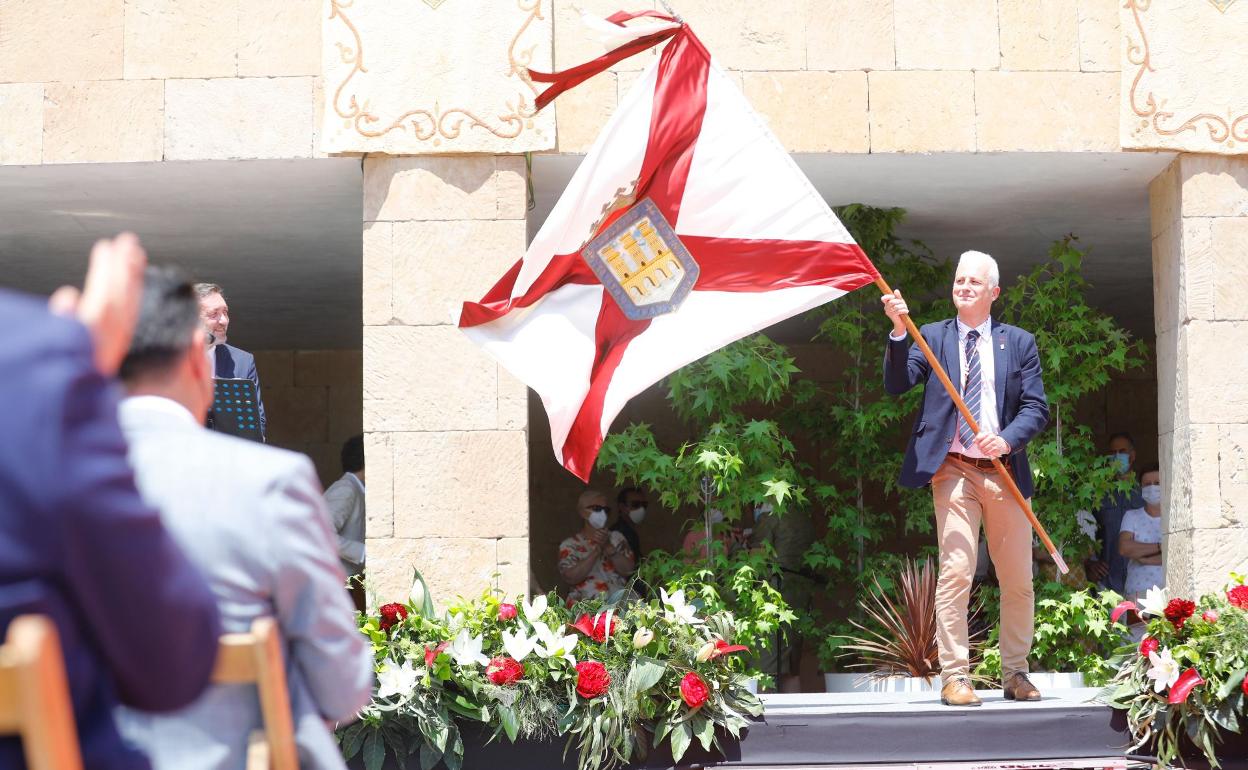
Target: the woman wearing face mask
(1140, 538)
(594, 561)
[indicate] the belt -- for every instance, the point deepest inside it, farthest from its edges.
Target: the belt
(982, 463)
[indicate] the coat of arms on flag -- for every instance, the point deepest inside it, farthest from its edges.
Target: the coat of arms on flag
(686, 227)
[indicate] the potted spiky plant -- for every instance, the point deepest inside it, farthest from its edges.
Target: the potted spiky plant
(897, 641)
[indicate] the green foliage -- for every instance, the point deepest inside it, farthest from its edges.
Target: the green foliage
(1073, 633)
(1080, 349)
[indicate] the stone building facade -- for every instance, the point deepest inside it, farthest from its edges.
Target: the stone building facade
(430, 94)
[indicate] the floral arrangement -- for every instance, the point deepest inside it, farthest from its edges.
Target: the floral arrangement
(614, 679)
(1188, 677)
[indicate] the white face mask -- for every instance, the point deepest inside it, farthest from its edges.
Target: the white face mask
(1151, 494)
(598, 519)
(715, 516)
(638, 515)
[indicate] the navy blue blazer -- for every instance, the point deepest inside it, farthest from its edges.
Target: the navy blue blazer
(237, 363)
(138, 624)
(1022, 409)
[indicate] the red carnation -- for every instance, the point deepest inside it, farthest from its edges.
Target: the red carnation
(391, 615)
(596, 627)
(693, 691)
(592, 679)
(1238, 597)
(1178, 611)
(506, 612)
(1148, 644)
(504, 671)
(432, 653)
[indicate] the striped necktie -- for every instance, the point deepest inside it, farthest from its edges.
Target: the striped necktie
(971, 392)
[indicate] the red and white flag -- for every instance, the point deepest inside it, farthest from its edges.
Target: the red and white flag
(686, 227)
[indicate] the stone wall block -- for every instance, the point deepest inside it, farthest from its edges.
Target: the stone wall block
(105, 121)
(1180, 562)
(1233, 476)
(1214, 185)
(378, 273)
(1216, 553)
(427, 378)
(513, 566)
(60, 40)
(1230, 266)
(1191, 478)
(1166, 268)
(1046, 111)
(181, 39)
(439, 265)
(238, 118)
(453, 566)
(379, 489)
(328, 367)
(1197, 281)
(1164, 204)
(1039, 35)
(813, 111)
(1172, 411)
(21, 124)
(946, 34)
(1215, 379)
(431, 188)
(751, 36)
(346, 412)
(511, 178)
(278, 37)
(581, 113)
(326, 456)
(276, 368)
(576, 44)
(513, 402)
(1100, 36)
(850, 35)
(461, 484)
(922, 111)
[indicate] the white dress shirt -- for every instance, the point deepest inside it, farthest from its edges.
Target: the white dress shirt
(988, 420)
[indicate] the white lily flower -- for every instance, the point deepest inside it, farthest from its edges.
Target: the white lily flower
(519, 644)
(455, 621)
(676, 610)
(642, 637)
(395, 679)
(466, 650)
(1154, 602)
(553, 643)
(705, 652)
(1163, 670)
(533, 612)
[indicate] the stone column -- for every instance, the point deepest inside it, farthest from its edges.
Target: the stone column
(1200, 286)
(445, 427)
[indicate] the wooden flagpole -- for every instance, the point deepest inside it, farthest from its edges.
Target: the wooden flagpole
(970, 420)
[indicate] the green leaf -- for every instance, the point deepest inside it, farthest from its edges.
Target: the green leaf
(646, 673)
(511, 725)
(429, 756)
(682, 736)
(374, 751)
(705, 731)
(353, 739)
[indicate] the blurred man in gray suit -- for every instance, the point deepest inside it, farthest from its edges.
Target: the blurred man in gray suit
(252, 519)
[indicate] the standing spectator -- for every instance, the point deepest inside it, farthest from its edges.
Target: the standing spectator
(630, 513)
(594, 561)
(345, 499)
(228, 361)
(1108, 568)
(137, 623)
(253, 519)
(1140, 538)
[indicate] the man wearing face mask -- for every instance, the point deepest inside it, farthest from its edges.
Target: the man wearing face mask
(1108, 568)
(630, 513)
(595, 561)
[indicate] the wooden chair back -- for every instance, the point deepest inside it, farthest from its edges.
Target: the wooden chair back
(256, 658)
(34, 695)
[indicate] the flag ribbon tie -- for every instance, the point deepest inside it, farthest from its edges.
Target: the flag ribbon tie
(570, 78)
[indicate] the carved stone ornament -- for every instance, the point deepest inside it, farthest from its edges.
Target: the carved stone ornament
(1184, 85)
(408, 77)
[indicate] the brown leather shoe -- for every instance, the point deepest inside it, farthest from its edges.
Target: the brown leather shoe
(1019, 687)
(959, 692)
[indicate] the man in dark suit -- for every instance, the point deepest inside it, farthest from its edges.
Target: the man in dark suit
(229, 362)
(137, 623)
(997, 369)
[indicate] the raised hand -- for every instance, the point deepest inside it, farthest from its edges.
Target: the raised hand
(108, 304)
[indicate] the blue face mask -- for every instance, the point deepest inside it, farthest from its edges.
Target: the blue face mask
(1122, 461)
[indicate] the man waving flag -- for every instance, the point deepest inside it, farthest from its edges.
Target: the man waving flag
(686, 227)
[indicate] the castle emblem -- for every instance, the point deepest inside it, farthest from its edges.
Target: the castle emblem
(642, 263)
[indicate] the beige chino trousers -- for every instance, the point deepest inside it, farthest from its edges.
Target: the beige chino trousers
(964, 497)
